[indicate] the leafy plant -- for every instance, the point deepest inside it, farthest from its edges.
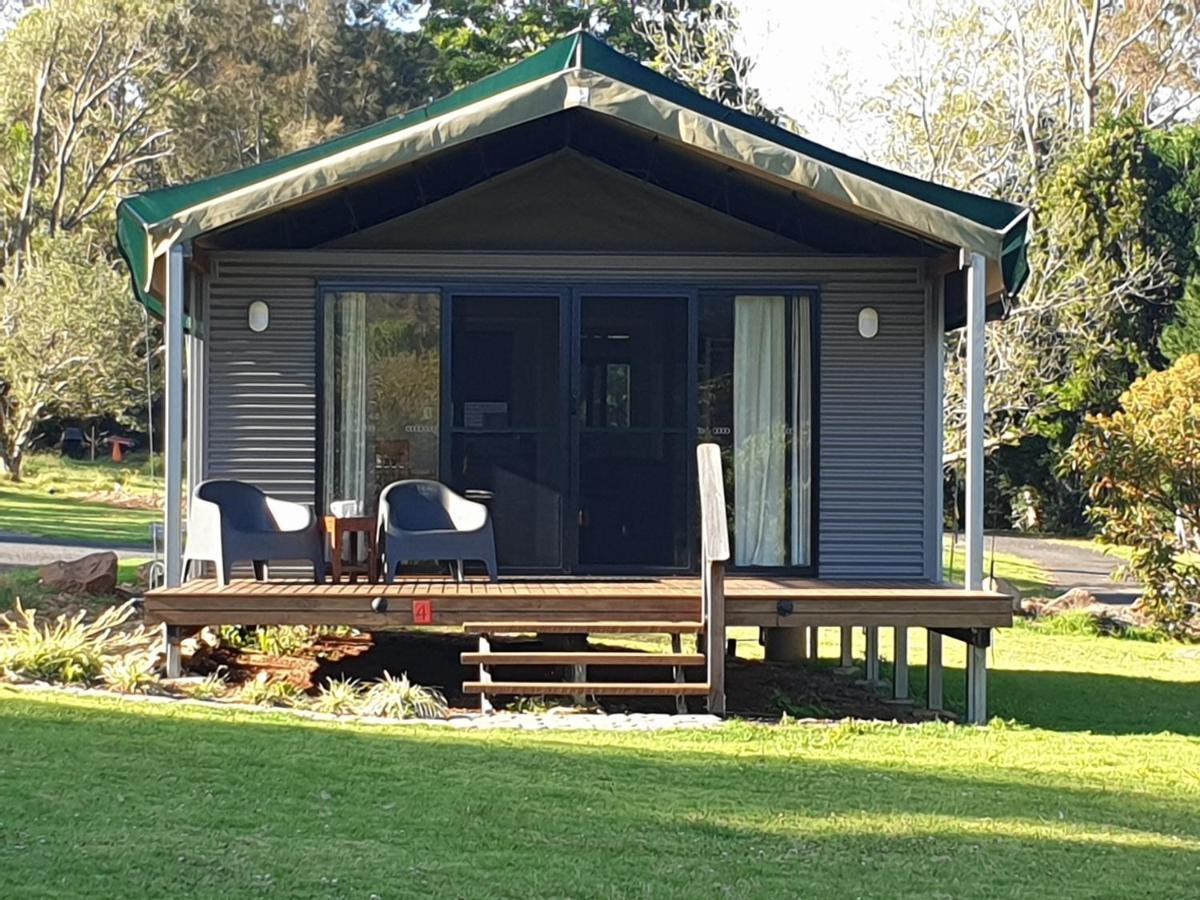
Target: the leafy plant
(339, 696)
(132, 673)
(1142, 464)
(399, 698)
(264, 690)
(70, 650)
(212, 687)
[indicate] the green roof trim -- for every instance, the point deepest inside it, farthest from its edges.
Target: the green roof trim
(148, 222)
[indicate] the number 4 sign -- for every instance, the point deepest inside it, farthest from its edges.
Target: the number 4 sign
(422, 612)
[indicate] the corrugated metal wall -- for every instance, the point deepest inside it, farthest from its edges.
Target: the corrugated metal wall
(262, 396)
(873, 447)
(874, 485)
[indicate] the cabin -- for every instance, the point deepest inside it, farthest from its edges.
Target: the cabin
(549, 289)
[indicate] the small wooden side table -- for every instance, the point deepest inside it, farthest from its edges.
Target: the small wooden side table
(337, 528)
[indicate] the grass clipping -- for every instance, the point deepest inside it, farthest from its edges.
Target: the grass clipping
(108, 649)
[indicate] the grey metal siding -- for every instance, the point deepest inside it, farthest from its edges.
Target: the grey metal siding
(874, 488)
(262, 400)
(873, 518)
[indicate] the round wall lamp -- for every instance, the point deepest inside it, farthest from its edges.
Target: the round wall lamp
(868, 322)
(258, 316)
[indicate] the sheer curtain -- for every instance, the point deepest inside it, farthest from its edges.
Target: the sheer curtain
(346, 397)
(760, 415)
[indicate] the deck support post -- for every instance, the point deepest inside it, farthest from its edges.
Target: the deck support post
(814, 643)
(677, 673)
(173, 404)
(846, 663)
(933, 671)
(900, 663)
(485, 675)
(714, 634)
(172, 637)
(872, 664)
(976, 684)
(785, 644)
(976, 267)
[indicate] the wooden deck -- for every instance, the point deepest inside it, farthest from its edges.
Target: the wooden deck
(769, 602)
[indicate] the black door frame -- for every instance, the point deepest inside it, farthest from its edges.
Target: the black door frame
(691, 297)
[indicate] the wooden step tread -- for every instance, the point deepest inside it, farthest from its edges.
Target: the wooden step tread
(612, 688)
(602, 627)
(582, 658)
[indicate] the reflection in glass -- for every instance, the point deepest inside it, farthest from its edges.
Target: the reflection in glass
(381, 392)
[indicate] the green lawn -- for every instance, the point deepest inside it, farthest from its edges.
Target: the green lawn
(1089, 790)
(52, 501)
(1028, 577)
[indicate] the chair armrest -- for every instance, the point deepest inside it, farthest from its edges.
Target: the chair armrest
(467, 515)
(290, 516)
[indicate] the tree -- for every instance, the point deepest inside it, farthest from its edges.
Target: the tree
(477, 37)
(1142, 467)
(80, 83)
(698, 46)
(71, 342)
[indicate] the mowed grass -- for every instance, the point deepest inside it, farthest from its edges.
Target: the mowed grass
(1089, 789)
(52, 500)
(1026, 576)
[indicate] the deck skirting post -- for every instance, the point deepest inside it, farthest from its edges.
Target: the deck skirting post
(933, 670)
(485, 675)
(872, 665)
(172, 637)
(846, 663)
(976, 684)
(900, 663)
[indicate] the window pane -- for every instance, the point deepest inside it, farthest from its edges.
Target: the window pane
(382, 389)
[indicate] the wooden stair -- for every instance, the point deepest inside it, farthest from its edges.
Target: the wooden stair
(581, 661)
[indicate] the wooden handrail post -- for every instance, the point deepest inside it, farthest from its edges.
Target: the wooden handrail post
(714, 551)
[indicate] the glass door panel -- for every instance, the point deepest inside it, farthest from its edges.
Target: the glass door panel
(381, 392)
(632, 420)
(507, 412)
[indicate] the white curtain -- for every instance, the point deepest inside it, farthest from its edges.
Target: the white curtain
(760, 430)
(352, 398)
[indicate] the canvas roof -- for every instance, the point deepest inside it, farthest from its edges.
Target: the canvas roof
(578, 71)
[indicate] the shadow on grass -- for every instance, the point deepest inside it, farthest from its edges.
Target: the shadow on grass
(51, 516)
(230, 806)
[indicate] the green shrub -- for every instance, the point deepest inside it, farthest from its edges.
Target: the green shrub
(133, 673)
(68, 650)
(399, 698)
(266, 691)
(211, 687)
(339, 697)
(1142, 465)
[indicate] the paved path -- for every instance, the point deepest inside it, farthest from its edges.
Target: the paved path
(1069, 566)
(21, 550)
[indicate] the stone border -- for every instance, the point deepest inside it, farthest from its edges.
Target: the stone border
(548, 721)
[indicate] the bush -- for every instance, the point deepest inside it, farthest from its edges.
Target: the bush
(339, 697)
(70, 650)
(265, 691)
(1142, 465)
(399, 698)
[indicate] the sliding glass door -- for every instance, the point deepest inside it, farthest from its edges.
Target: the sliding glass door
(381, 390)
(574, 415)
(632, 420)
(506, 418)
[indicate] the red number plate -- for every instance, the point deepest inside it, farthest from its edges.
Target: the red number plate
(422, 612)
